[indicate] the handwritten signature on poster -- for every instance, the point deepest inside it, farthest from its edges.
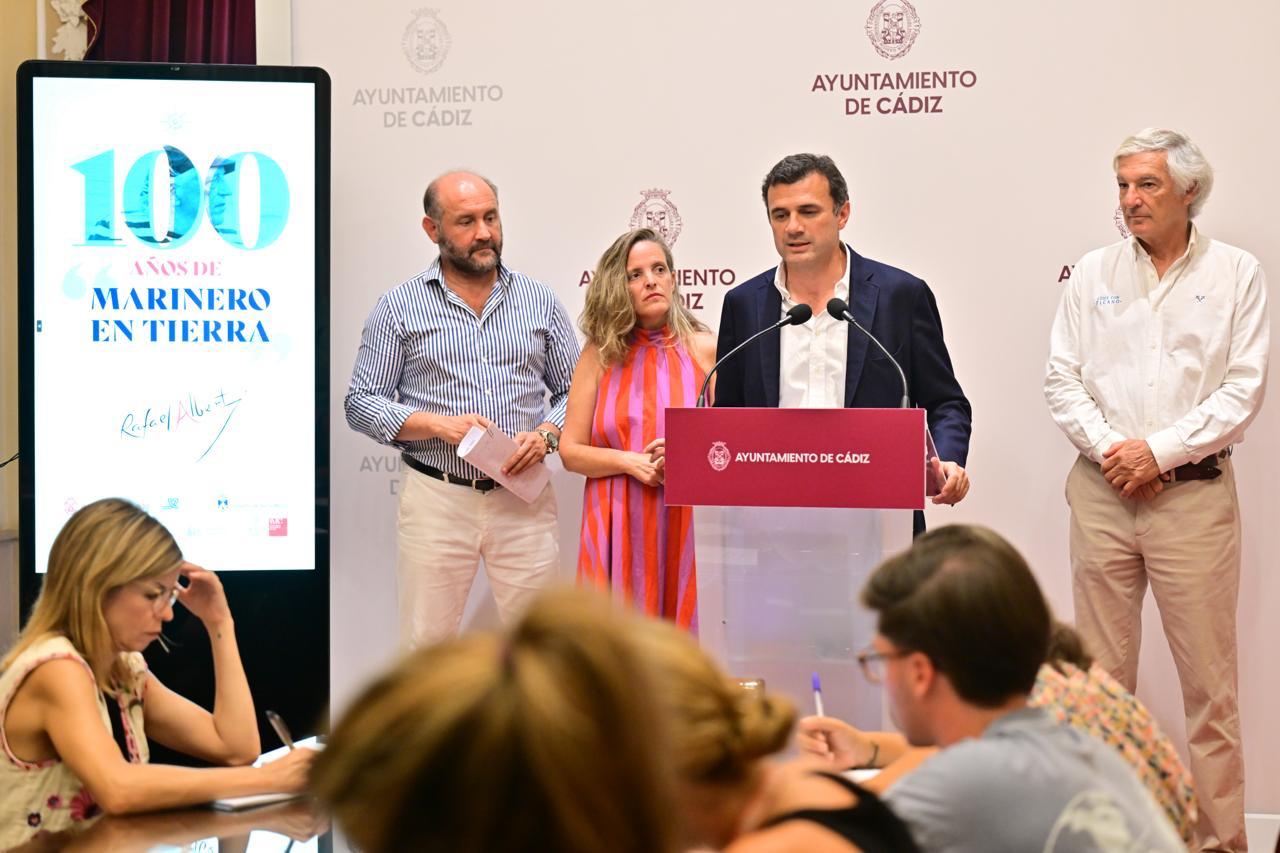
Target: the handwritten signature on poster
(212, 410)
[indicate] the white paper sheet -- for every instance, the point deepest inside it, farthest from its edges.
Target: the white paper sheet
(235, 804)
(488, 448)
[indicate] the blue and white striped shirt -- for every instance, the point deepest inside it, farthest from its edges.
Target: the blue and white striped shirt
(424, 349)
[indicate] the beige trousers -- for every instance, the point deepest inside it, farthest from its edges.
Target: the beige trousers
(1186, 544)
(442, 532)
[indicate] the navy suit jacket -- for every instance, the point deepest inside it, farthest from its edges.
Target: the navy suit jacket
(898, 308)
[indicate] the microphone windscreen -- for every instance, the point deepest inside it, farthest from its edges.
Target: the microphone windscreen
(800, 314)
(836, 307)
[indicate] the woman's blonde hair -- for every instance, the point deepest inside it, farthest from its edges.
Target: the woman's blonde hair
(103, 546)
(719, 730)
(609, 315)
(547, 739)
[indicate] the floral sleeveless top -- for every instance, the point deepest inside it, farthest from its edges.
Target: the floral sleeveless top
(45, 796)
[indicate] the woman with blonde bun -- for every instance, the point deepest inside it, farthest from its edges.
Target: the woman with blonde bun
(731, 795)
(547, 739)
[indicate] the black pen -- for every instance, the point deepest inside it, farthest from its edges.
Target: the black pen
(282, 731)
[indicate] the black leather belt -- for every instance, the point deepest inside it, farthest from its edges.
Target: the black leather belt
(482, 485)
(1206, 469)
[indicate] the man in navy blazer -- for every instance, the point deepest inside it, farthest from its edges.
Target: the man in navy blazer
(827, 362)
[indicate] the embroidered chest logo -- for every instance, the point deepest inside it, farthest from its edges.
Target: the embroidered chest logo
(1118, 219)
(1107, 300)
(1199, 299)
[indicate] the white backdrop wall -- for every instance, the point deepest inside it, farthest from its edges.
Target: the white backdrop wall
(576, 109)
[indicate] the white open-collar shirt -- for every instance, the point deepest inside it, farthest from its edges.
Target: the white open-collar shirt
(1180, 361)
(813, 357)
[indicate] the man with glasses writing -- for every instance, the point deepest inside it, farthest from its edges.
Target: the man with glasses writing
(962, 631)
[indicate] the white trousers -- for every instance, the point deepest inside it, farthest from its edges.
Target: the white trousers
(442, 532)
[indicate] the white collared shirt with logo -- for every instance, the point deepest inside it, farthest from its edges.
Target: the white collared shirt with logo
(1180, 361)
(813, 356)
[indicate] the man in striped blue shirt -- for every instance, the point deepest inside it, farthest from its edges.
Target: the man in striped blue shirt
(467, 342)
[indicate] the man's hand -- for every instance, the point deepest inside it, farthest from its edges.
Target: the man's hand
(454, 428)
(1148, 491)
(531, 449)
(955, 482)
(834, 740)
(1128, 465)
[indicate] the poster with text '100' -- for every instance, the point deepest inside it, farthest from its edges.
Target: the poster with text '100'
(174, 304)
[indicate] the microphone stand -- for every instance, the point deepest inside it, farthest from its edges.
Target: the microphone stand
(840, 310)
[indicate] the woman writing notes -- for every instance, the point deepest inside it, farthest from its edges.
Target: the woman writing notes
(76, 696)
(645, 351)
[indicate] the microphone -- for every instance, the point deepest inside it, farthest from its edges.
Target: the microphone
(797, 315)
(838, 309)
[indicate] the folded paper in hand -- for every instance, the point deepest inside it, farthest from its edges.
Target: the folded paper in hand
(487, 448)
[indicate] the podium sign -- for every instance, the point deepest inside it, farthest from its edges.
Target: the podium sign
(853, 458)
(795, 508)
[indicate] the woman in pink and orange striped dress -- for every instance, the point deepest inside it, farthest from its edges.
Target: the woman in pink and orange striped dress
(645, 351)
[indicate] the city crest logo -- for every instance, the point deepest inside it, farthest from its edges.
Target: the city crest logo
(892, 28)
(693, 283)
(426, 41)
(657, 212)
(718, 456)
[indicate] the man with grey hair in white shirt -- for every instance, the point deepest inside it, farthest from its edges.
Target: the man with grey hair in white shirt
(1157, 364)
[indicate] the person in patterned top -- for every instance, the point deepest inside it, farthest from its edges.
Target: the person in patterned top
(1079, 692)
(76, 695)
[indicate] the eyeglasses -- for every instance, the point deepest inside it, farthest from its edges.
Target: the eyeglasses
(163, 599)
(872, 663)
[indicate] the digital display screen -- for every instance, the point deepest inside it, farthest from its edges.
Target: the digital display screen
(173, 227)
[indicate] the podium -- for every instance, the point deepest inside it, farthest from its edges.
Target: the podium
(793, 510)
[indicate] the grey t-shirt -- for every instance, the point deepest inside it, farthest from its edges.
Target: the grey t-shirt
(1029, 784)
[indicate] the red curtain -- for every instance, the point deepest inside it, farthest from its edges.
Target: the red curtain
(216, 31)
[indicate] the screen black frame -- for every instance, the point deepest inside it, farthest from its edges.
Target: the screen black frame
(282, 617)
